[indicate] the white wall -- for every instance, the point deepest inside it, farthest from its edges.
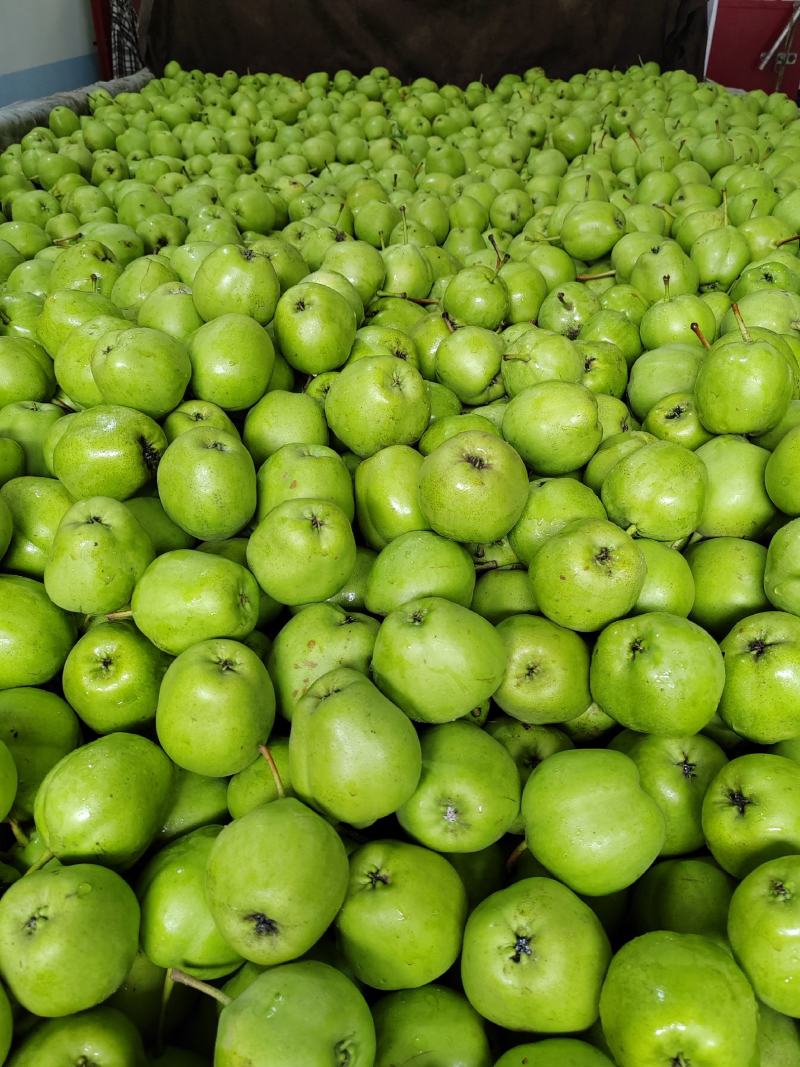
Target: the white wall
(45, 46)
(36, 32)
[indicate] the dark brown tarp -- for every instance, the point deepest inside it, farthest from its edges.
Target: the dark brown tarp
(448, 40)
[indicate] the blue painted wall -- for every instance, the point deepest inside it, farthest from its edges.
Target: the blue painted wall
(45, 46)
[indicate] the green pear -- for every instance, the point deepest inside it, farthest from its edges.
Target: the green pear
(98, 554)
(38, 728)
(737, 504)
(668, 584)
(282, 1037)
(383, 516)
(547, 671)
(141, 368)
(165, 534)
(554, 1052)
(419, 564)
(193, 413)
(689, 895)
(185, 596)
(232, 357)
(473, 487)
(780, 575)
(780, 476)
(352, 753)
(108, 450)
(300, 470)
(316, 640)
(177, 929)
(762, 927)
(103, 1033)
(402, 921)
(554, 426)
(437, 659)
(27, 371)
(9, 780)
(282, 418)
(195, 800)
(12, 460)
(112, 676)
(657, 491)
(37, 506)
(565, 820)
(778, 1037)
(216, 705)
(499, 594)
(415, 1025)
(236, 280)
(50, 955)
(275, 879)
(31, 424)
(302, 551)
(35, 635)
(751, 811)
(678, 997)
(758, 700)
(104, 801)
(138, 279)
(657, 673)
(468, 793)
(139, 998)
(587, 574)
(394, 394)
(207, 483)
(534, 958)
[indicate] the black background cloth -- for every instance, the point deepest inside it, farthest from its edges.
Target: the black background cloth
(447, 40)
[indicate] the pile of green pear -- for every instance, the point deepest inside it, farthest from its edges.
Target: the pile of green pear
(400, 575)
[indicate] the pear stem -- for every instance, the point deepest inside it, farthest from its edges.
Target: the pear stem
(202, 987)
(511, 862)
(632, 136)
(666, 210)
(665, 280)
(632, 530)
(493, 565)
(405, 223)
(20, 836)
(741, 323)
(63, 405)
(595, 277)
(422, 301)
(279, 788)
(449, 322)
(502, 257)
(724, 207)
(701, 337)
(42, 861)
(119, 616)
(166, 994)
(788, 240)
